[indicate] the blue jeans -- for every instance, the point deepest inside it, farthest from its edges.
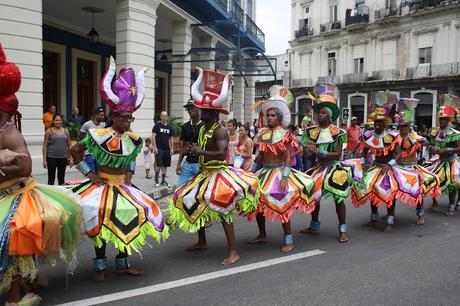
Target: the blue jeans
(189, 170)
(91, 162)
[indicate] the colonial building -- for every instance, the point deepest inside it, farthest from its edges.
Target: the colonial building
(63, 48)
(280, 65)
(411, 48)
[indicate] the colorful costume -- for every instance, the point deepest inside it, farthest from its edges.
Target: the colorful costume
(35, 219)
(382, 186)
(218, 191)
(116, 212)
(332, 178)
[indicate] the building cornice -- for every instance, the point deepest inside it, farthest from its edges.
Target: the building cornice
(358, 42)
(389, 36)
(426, 30)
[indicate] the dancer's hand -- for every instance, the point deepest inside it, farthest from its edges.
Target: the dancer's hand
(178, 170)
(193, 149)
(9, 157)
(312, 148)
(96, 179)
(284, 184)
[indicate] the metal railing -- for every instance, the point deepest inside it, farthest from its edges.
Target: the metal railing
(306, 82)
(384, 75)
(431, 71)
(332, 25)
(330, 79)
(361, 17)
(236, 12)
(387, 12)
(304, 32)
(354, 78)
(254, 30)
(417, 5)
(223, 4)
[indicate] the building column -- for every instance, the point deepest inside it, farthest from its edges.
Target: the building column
(135, 46)
(228, 104)
(208, 57)
(180, 76)
(23, 45)
(238, 98)
(249, 94)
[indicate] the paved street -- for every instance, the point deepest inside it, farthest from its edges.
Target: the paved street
(414, 265)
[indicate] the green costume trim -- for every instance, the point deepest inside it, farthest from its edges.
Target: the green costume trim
(203, 138)
(106, 159)
(106, 235)
(339, 137)
(451, 135)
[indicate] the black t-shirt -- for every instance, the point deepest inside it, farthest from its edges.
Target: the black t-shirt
(163, 133)
(190, 133)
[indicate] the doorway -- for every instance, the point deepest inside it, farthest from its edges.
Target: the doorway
(86, 87)
(357, 108)
(424, 110)
(160, 95)
(50, 80)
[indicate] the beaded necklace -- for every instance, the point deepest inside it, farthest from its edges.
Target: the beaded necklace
(5, 126)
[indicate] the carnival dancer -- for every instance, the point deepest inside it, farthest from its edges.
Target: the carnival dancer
(35, 220)
(114, 210)
(444, 142)
(218, 191)
(385, 181)
(411, 144)
(283, 189)
(333, 178)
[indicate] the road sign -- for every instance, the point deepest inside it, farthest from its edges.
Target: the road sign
(345, 113)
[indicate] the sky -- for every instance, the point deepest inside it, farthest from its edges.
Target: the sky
(273, 17)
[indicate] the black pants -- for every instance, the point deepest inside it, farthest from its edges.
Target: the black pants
(60, 164)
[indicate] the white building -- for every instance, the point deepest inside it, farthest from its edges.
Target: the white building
(411, 48)
(61, 65)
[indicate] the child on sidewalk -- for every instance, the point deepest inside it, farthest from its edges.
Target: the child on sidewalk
(148, 157)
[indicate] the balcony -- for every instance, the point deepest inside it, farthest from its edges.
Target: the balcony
(329, 26)
(417, 5)
(385, 13)
(253, 30)
(354, 78)
(236, 12)
(330, 79)
(359, 19)
(303, 33)
(384, 75)
(298, 83)
(223, 4)
(433, 71)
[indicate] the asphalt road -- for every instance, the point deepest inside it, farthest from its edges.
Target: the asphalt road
(413, 265)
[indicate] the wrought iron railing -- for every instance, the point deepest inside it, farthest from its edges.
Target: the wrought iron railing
(236, 12)
(304, 32)
(384, 75)
(417, 5)
(254, 30)
(330, 79)
(387, 12)
(354, 78)
(223, 4)
(332, 25)
(431, 71)
(361, 17)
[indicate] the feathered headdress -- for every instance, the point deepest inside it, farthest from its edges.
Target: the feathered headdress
(406, 110)
(383, 106)
(326, 95)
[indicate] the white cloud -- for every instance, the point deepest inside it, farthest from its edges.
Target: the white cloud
(274, 19)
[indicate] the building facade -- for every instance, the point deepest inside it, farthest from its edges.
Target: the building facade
(410, 48)
(62, 59)
(280, 64)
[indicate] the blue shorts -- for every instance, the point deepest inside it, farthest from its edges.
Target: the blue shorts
(91, 162)
(188, 171)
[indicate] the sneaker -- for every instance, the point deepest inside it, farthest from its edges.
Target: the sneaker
(157, 184)
(164, 183)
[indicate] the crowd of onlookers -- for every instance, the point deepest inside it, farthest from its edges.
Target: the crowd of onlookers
(159, 148)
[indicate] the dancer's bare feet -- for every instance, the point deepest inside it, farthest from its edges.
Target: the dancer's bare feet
(343, 237)
(450, 213)
(38, 283)
(99, 276)
(231, 258)
(287, 248)
(309, 231)
(420, 221)
(130, 271)
(258, 239)
(200, 246)
(387, 228)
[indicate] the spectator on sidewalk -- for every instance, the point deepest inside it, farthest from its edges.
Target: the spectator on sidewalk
(232, 141)
(244, 149)
(162, 147)
(75, 118)
(189, 136)
(148, 157)
(48, 117)
(56, 147)
(354, 132)
(97, 121)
